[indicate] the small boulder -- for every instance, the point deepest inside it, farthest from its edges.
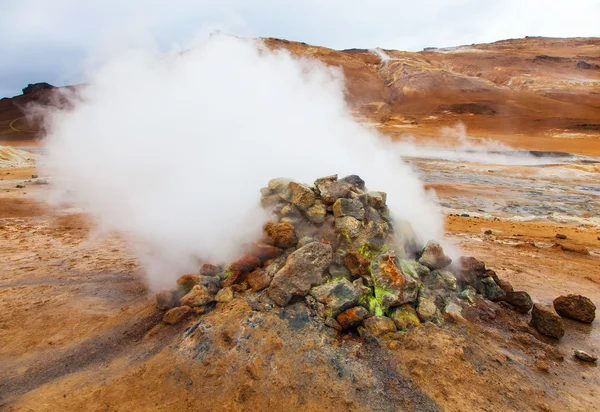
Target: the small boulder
(469, 270)
(433, 256)
(337, 296)
(224, 295)
(546, 321)
(353, 180)
(520, 300)
(584, 356)
(489, 289)
(349, 207)
(426, 309)
(300, 195)
(304, 269)
(348, 226)
(468, 294)
(379, 325)
(444, 279)
(575, 307)
(317, 212)
(185, 283)
(393, 286)
(245, 264)
(353, 317)
(330, 189)
(504, 285)
(279, 184)
(281, 235)
(198, 296)
(265, 252)
(258, 280)
(176, 315)
(357, 264)
(452, 311)
(376, 199)
(405, 317)
(561, 236)
(209, 270)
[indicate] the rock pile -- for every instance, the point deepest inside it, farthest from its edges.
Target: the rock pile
(335, 246)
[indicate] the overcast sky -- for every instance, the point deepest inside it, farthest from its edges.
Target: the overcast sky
(56, 40)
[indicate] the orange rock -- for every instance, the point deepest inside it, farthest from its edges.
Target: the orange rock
(281, 235)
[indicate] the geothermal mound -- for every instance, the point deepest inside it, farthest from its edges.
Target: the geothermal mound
(336, 246)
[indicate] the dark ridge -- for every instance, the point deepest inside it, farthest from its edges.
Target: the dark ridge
(586, 126)
(546, 58)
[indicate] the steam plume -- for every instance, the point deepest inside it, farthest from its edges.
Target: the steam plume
(171, 152)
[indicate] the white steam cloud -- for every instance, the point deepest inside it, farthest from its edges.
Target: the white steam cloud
(171, 152)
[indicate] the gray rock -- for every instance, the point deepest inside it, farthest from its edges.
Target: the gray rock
(338, 272)
(433, 256)
(332, 323)
(376, 199)
(349, 207)
(584, 356)
(444, 278)
(393, 287)
(353, 180)
(547, 321)
(304, 269)
(337, 296)
(489, 289)
(520, 300)
(453, 309)
(348, 226)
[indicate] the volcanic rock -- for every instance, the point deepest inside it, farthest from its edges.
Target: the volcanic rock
(176, 315)
(245, 264)
(303, 270)
(469, 270)
(348, 226)
(379, 325)
(584, 356)
(392, 286)
(353, 180)
(332, 323)
(504, 285)
(281, 235)
(209, 270)
(376, 199)
(520, 300)
(337, 296)
(357, 264)
(433, 256)
(349, 207)
(185, 283)
(443, 279)
(258, 279)
(452, 311)
(405, 317)
(426, 308)
(224, 295)
(279, 184)
(353, 317)
(489, 289)
(330, 189)
(546, 321)
(300, 195)
(198, 296)
(575, 307)
(317, 212)
(265, 252)
(468, 294)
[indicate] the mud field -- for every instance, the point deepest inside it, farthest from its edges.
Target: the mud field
(80, 330)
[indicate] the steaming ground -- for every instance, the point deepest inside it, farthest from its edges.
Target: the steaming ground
(171, 152)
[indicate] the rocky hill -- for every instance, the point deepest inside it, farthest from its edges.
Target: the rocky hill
(546, 89)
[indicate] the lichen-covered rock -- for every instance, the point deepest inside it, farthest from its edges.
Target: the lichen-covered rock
(300, 195)
(176, 315)
(349, 207)
(405, 317)
(426, 309)
(443, 279)
(198, 296)
(281, 235)
(304, 269)
(468, 294)
(520, 300)
(489, 289)
(575, 307)
(379, 325)
(224, 295)
(348, 226)
(547, 321)
(337, 296)
(392, 286)
(330, 189)
(433, 256)
(353, 317)
(317, 212)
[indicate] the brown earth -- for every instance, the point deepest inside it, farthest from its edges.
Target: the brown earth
(79, 331)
